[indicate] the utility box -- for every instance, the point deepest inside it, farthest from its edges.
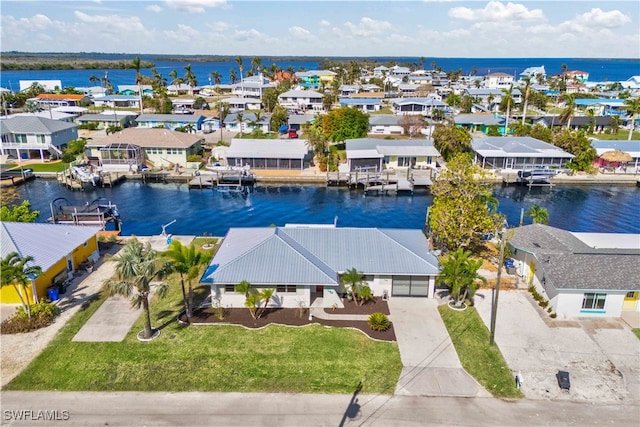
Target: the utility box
(563, 380)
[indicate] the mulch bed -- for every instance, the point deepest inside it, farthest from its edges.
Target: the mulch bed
(377, 305)
(291, 317)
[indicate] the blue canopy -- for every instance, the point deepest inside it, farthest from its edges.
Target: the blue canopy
(283, 128)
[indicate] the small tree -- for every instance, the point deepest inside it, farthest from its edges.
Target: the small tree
(539, 214)
(18, 272)
(18, 213)
(412, 124)
(459, 274)
(136, 268)
(186, 261)
(351, 280)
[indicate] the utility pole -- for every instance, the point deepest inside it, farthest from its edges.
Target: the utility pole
(494, 305)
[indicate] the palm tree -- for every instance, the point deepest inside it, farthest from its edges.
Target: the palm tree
(508, 94)
(459, 273)
(591, 113)
(632, 105)
(233, 76)
(570, 107)
(539, 214)
(175, 80)
(527, 88)
(217, 77)
(239, 119)
(256, 64)
(351, 280)
(136, 268)
(244, 287)
(241, 68)
(135, 64)
(186, 261)
(256, 119)
(94, 79)
(18, 272)
(190, 77)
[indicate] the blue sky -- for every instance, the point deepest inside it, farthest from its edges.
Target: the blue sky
(431, 28)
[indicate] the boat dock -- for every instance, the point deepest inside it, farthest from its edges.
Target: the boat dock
(223, 180)
(11, 178)
(99, 212)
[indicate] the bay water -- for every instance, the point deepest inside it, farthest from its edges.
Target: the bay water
(145, 207)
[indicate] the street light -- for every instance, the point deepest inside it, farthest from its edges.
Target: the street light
(496, 291)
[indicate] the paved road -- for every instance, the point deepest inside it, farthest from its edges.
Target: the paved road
(252, 409)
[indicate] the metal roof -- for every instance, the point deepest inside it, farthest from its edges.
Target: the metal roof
(569, 262)
(186, 118)
(373, 148)
(631, 147)
(317, 255)
(46, 243)
(34, 125)
(518, 146)
(300, 94)
(268, 148)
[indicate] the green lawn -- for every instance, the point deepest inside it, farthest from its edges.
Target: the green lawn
(46, 167)
(637, 332)
(622, 135)
(313, 359)
(482, 361)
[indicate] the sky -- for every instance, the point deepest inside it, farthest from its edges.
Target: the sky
(429, 28)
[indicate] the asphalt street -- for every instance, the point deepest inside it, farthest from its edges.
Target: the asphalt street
(261, 409)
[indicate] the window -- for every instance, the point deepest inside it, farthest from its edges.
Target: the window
(284, 289)
(229, 288)
(174, 150)
(21, 138)
(593, 301)
(41, 139)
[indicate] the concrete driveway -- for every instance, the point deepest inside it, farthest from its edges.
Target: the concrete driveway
(431, 366)
(601, 355)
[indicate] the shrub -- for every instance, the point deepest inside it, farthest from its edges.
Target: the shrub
(41, 315)
(194, 158)
(379, 322)
(553, 315)
(549, 310)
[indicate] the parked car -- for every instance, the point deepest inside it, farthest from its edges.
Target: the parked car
(293, 133)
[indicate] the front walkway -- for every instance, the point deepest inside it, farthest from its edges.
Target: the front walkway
(430, 363)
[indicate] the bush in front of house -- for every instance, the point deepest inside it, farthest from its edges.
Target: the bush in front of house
(379, 322)
(41, 315)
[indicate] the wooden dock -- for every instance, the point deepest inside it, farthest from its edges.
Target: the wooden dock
(110, 179)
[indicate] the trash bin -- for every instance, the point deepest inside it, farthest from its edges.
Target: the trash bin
(563, 380)
(62, 288)
(511, 270)
(52, 294)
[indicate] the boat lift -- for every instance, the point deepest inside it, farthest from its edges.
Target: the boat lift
(164, 228)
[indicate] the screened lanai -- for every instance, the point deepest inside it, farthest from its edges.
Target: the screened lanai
(122, 156)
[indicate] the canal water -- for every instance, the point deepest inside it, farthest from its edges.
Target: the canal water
(144, 208)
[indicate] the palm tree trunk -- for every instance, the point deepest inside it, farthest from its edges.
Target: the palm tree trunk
(633, 124)
(147, 317)
(27, 305)
(184, 297)
(190, 306)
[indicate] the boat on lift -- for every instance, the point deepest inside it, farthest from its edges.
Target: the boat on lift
(99, 212)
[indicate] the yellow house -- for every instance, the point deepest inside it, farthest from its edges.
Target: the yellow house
(57, 249)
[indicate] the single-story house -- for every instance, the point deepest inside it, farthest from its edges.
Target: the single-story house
(130, 90)
(57, 249)
(489, 97)
(130, 148)
(31, 137)
(104, 120)
(301, 100)
(183, 89)
(248, 124)
(363, 104)
(373, 154)
(297, 121)
(599, 123)
(117, 101)
(268, 153)
(303, 263)
(479, 122)
(632, 148)
(517, 152)
(242, 104)
(315, 78)
(47, 100)
(170, 121)
(385, 124)
(581, 274)
(48, 114)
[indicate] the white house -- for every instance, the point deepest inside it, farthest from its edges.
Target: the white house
(301, 100)
(517, 152)
(117, 101)
(580, 274)
(268, 153)
(498, 81)
(305, 262)
(373, 154)
(241, 104)
(32, 137)
(253, 86)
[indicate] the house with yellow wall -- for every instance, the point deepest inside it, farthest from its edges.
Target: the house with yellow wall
(56, 248)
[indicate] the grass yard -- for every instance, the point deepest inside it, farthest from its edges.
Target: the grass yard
(46, 167)
(482, 361)
(312, 359)
(637, 332)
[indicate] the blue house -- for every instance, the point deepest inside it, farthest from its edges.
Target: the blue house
(170, 121)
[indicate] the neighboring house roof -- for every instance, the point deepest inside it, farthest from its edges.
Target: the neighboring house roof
(575, 120)
(117, 98)
(186, 118)
(34, 125)
(374, 148)
(268, 148)
(428, 101)
(360, 101)
(612, 102)
(317, 255)
(241, 101)
(46, 243)
(142, 137)
(61, 96)
(486, 92)
(517, 146)
(582, 261)
(299, 119)
(300, 94)
(384, 120)
(478, 119)
(247, 118)
(631, 147)
(49, 114)
(105, 117)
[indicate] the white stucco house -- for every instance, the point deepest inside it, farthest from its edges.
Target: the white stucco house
(301, 100)
(580, 274)
(305, 262)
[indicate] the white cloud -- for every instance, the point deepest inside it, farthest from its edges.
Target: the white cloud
(40, 22)
(154, 8)
(184, 34)
(325, 23)
(497, 11)
(194, 6)
(301, 33)
(219, 26)
(368, 27)
(249, 35)
(599, 18)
